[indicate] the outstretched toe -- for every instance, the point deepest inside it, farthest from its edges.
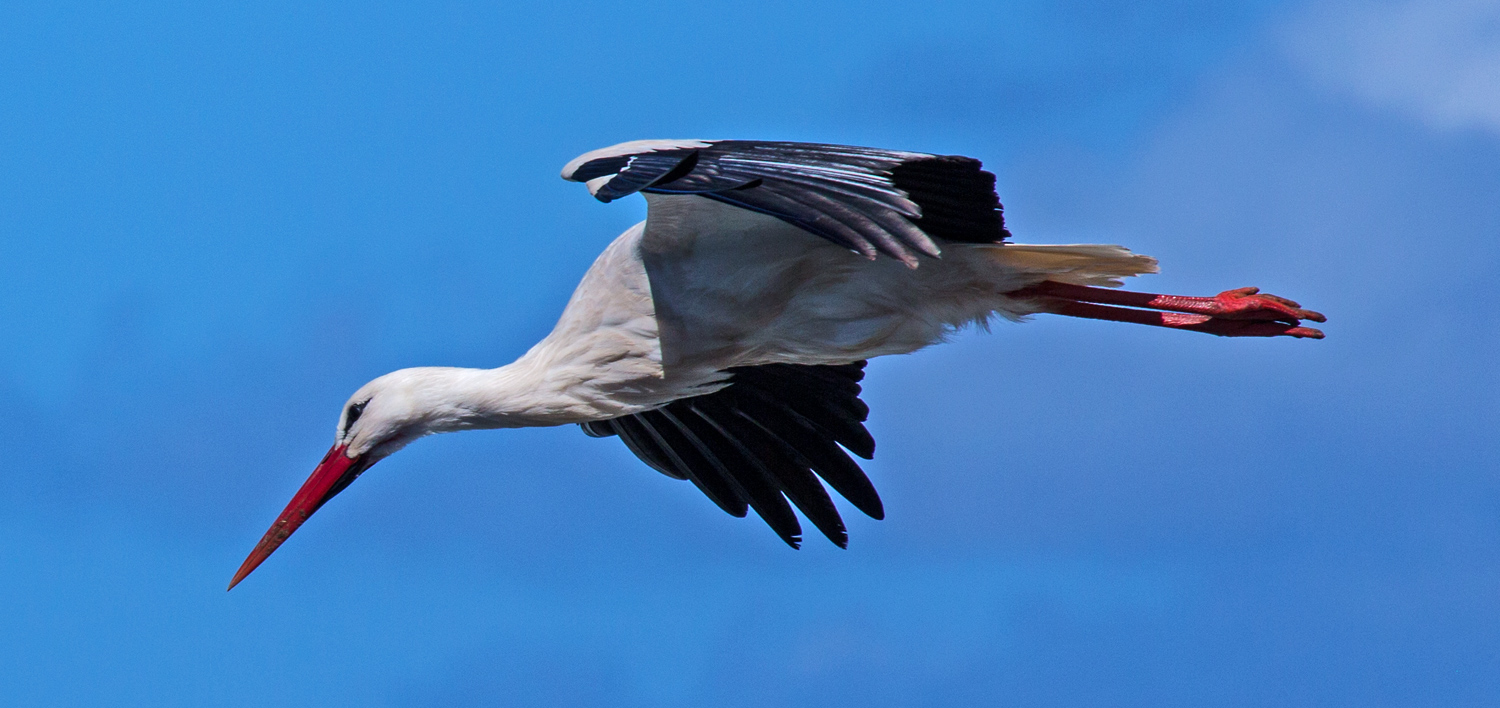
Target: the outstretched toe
(1227, 327)
(1251, 304)
(1304, 332)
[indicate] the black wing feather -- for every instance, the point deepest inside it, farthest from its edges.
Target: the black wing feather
(794, 471)
(819, 452)
(701, 465)
(646, 446)
(865, 199)
(764, 440)
(748, 471)
(793, 479)
(824, 402)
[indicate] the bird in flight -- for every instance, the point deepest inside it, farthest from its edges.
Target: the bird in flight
(724, 338)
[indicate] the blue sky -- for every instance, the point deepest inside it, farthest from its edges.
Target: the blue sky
(217, 221)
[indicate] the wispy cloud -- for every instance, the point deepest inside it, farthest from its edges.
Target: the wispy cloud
(1434, 60)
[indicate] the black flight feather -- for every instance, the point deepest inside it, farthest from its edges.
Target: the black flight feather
(764, 440)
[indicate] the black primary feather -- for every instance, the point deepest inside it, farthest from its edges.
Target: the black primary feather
(764, 440)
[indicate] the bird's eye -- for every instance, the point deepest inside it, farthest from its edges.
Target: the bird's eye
(355, 409)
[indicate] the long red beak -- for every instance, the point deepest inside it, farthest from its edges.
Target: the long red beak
(332, 475)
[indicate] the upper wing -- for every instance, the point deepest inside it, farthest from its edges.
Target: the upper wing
(869, 200)
(760, 440)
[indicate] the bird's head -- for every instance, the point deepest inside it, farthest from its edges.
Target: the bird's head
(382, 417)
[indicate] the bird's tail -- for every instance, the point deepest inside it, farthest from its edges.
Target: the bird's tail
(1075, 264)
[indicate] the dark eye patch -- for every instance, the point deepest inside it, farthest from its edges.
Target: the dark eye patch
(355, 410)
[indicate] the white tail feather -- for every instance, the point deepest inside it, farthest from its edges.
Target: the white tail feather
(1077, 263)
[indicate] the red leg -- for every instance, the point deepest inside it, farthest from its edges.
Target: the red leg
(1238, 304)
(1233, 313)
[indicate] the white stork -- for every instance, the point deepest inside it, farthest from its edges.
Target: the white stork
(723, 339)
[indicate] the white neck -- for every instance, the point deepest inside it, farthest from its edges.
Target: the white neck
(518, 395)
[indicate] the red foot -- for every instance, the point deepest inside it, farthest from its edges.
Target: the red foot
(1246, 304)
(1243, 312)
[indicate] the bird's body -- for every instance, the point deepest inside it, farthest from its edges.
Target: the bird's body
(674, 302)
(722, 339)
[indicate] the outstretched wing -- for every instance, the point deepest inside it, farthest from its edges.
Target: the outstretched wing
(763, 440)
(868, 200)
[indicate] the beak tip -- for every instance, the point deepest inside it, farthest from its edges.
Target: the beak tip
(241, 574)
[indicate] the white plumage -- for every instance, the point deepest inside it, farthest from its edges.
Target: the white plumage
(717, 337)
